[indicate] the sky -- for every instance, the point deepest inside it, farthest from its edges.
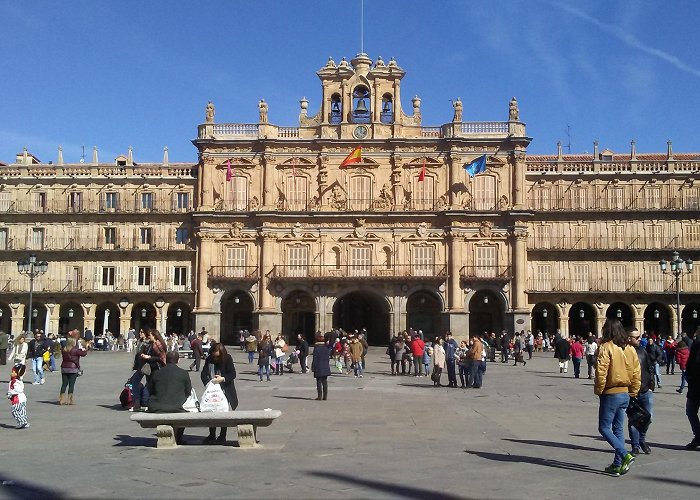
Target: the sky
(131, 73)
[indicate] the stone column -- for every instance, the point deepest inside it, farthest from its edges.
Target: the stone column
(563, 309)
(17, 319)
(638, 310)
(457, 321)
(89, 316)
(206, 176)
(268, 317)
(54, 315)
(268, 168)
(125, 319)
(520, 271)
(519, 186)
(453, 169)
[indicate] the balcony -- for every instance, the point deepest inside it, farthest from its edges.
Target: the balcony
(630, 243)
(90, 206)
(246, 274)
(51, 244)
(631, 284)
(603, 203)
(88, 286)
(486, 273)
(356, 272)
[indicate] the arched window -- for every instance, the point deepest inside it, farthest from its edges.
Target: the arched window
(387, 113)
(360, 100)
(297, 192)
(360, 192)
(484, 192)
(336, 257)
(387, 257)
(336, 115)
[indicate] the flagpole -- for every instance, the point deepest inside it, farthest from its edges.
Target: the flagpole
(362, 26)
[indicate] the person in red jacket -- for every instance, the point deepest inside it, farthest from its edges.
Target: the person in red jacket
(577, 352)
(682, 353)
(670, 348)
(417, 348)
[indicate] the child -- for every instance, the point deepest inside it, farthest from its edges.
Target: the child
(17, 398)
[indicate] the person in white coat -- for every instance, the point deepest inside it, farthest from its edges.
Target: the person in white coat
(439, 360)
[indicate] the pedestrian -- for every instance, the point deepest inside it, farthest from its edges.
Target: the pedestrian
(463, 363)
(670, 350)
(655, 356)
(646, 394)
(577, 353)
(320, 365)
(450, 347)
(492, 346)
(417, 348)
(529, 344)
(219, 369)
(439, 361)
(562, 351)
(15, 393)
(398, 350)
(265, 349)
(37, 347)
(197, 352)
(251, 347)
(19, 352)
(518, 350)
(591, 348)
(505, 341)
(4, 344)
(356, 355)
(477, 358)
(70, 370)
(427, 358)
(682, 354)
(169, 389)
(139, 391)
(365, 347)
(241, 339)
(617, 378)
(280, 350)
(692, 404)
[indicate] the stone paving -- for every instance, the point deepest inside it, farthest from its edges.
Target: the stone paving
(528, 433)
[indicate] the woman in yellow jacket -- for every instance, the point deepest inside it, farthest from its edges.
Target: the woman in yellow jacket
(617, 378)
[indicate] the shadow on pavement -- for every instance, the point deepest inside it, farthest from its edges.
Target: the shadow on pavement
(125, 440)
(10, 488)
(295, 397)
(670, 480)
(554, 444)
(48, 402)
(557, 464)
(664, 446)
(392, 488)
(116, 406)
(422, 386)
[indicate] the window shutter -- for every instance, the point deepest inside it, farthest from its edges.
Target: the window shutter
(97, 283)
(171, 278)
(117, 277)
(136, 237)
(154, 278)
(134, 276)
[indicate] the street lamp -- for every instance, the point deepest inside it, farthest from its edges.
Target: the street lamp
(544, 313)
(178, 312)
(677, 271)
(70, 313)
(31, 268)
(618, 313)
(581, 314)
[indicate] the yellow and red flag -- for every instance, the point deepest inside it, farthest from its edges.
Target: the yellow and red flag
(421, 176)
(354, 157)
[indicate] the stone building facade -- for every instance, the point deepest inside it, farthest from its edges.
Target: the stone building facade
(268, 231)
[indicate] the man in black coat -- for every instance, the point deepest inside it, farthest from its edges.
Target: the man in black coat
(692, 404)
(303, 348)
(169, 388)
(197, 351)
(562, 351)
(646, 392)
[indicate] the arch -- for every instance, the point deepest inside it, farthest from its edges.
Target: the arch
(143, 316)
(544, 318)
(582, 320)
(387, 112)
(690, 318)
(360, 98)
(40, 321)
(236, 314)
(388, 254)
(336, 113)
(71, 317)
(621, 311)
(298, 316)
(5, 318)
(424, 312)
(110, 312)
(360, 309)
(179, 319)
(658, 319)
(486, 312)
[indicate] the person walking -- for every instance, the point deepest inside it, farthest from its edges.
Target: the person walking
(280, 350)
(264, 353)
(356, 355)
(251, 347)
(70, 369)
(219, 369)
(439, 359)
(320, 366)
(692, 404)
(577, 351)
(682, 354)
(529, 344)
(4, 344)
(37, 347)
(646, 394)
(302, 349)
(20, 349)
(591, 348)
(398, 351)
(417, 348)
(655, 356)
(518, 350)
(450, 347)
(17, 397)
(169, 388)
(427, 358)
(197, 352)
(478, 360)
(670, 350)
(562, 351)
(617, 378)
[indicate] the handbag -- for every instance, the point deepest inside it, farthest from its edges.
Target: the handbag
(637, 415)
(146, 369)
(213, 399)
(191, 404)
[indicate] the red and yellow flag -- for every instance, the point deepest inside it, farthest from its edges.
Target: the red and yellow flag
(421, 176)
(354, 157)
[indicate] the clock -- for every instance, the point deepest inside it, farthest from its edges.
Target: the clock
(360, 132)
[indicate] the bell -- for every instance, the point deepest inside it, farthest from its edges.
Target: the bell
(361, 109)
(335, 107)
(386, 107)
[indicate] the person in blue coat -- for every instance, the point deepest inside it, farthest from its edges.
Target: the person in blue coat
(320, 365)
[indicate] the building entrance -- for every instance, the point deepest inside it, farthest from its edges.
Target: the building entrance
(358, 310)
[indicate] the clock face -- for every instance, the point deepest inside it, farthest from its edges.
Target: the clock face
(360, 132)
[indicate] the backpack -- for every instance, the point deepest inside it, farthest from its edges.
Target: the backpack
(126, 397)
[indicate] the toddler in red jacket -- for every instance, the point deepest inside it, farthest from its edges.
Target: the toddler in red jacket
(18, 400)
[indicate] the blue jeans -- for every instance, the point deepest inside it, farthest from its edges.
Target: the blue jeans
(264, 369)
(426, 367)
(475, 373)
(358, 368)
(691, 411)
(611, 421)
(251, 356)
(658, 374)
(139, 392)
(638, 436)
(38, 369)
(52, 363)
(684, 380)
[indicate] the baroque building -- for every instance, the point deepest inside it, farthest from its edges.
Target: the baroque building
(268, 231)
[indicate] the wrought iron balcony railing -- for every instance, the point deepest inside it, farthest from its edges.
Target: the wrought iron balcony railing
(358, 271)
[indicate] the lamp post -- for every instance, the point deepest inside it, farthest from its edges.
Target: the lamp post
(32, 268)
(677, 271)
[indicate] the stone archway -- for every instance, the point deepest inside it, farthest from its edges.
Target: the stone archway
(70, 318)
(39, 315)
(582, 320)
(358, 310)
(621, 311)
(179, 319)
(545, 318)
(298, 316)
(486, 313)
(143, 317)
(236, 315)
(690, 318)
(423, 312)
(657, 319)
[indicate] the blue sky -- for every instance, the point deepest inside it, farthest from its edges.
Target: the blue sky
(115, 74)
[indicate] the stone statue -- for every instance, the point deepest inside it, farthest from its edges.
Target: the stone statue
(386, 196)
(513, 113)
(209, 115)
(262, 106)
(458, 110)
(338, 200)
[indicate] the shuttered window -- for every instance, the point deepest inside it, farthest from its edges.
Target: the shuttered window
(423, 260)
(486, 262)
(360, 261)
(298, 260)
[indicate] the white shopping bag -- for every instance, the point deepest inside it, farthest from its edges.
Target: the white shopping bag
(213, 398)
(192, 403)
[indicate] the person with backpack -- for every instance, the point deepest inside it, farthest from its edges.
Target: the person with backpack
(646, 394)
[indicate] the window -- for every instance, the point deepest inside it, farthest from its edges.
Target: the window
(580, 236)
(180, 276)
(692, 236)
(239, 193)
(108, 274)
(580, 281)
(360, 192)
(652, 198)
(4, 239)
(424, 194)
(543, 278)
(578, 196)
(360, 261)
(146, 201)
(146, 236)
(423, 260)
(618, 275)
(235, 262)
(542, 199)
(111, 201)
(75, 201)
(183, 201)
(144, 276)
(486, 262)
(110, 235)
(298, 260)
(5, 203)
(543, 236)
(37, 238)
(654, 236)
(691, 198)
(617, 236)
(181, 236)
(296, 192)
(615, 198)
(484, 192)
(40, 203)
(655, 279)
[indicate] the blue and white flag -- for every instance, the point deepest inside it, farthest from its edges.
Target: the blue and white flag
(476, 166)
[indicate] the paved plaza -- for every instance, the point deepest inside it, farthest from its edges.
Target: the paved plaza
(528, 433)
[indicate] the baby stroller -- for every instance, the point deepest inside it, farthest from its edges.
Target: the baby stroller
(292, 359)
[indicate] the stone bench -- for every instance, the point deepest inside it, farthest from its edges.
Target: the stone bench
(246, 422)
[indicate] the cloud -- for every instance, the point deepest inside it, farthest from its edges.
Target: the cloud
(627, 38)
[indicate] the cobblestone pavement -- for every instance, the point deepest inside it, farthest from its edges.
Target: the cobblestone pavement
(530, 432)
